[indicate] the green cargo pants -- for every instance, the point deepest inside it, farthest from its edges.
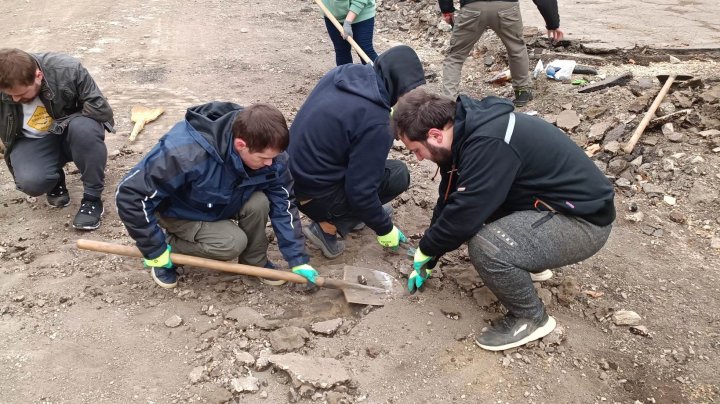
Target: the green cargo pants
(224, 240)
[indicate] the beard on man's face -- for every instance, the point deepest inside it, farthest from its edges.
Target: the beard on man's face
(438, 155)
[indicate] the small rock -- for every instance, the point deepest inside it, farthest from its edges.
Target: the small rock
(244, 30)
(668, 129)
(640, 330)
(288, 338)
(623, 183)
(328, 327)
(617, 165)
(307, 50)
(676, 137)
(263, 394)
(568, 120)
(173, 321)
(678, 217)
(245, 384)
(650, 188)
(196, 375)
(321, 373)
(715, 243)
(555, 337)
(612, 147)
(245, 358)
(666, 108)
(670, 200)
(263, 360)
(668, 165)
(626, 317)
(372, 351)
(597, 130)
(636, 217)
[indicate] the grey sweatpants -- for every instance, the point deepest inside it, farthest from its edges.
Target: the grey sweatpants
(505, 251)
(36, 163)
(224, 240)
(470, 22)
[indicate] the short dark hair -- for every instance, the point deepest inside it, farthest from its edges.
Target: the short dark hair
(419, 111)
(262, 126)
(17, 68)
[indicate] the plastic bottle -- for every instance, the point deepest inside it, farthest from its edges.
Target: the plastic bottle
(500, 78)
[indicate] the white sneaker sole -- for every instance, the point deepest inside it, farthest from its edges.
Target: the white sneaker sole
(537, 334)
(272, 282)
(97, 226)
(541, 276)
(162, 284)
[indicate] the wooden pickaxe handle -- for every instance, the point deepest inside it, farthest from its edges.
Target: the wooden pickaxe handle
(350, 39)
(648, 115)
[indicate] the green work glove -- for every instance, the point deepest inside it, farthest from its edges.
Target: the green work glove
(163, 261)
(306, 271)
(392, 239)
(420, 271)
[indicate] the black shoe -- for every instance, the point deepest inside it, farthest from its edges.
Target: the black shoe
(59, 197)
(329, 244)
(511, 332)
(165, 277)
(88, 217)
(522, 97)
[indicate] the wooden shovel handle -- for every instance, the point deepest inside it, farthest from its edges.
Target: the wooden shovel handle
(128, 251)
(644, 123)
(350, 39)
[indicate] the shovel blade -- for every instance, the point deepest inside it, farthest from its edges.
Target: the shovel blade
(378, 286)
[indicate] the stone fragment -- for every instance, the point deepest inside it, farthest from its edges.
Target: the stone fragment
(248, 384)
(609, 82)
(328, 327)
(450, 311)
(668, 129)
(321, 373)
(567, 290)
(702, 194)
(546, 296)
(245, 358)
(670, 200)
(372, 351)
(612, 147)
(597, 130)
(678, 217)
(197, 374)
(567, 120)
(650, 188)
(668, 165)
(636, 217)
(665, 108)
(263, 360)
(617, 165)
(626, 317)
(615, 133)
(715, 243)
(173, 321)
(288, 338)
(484, 297)
(245, 317)
(640, 330)
(555, 337)
(623, 183)
(676, 137)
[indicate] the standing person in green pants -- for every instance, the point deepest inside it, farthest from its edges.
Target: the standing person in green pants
(358, 20)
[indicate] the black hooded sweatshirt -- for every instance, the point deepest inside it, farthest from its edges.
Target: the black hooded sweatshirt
(341, 135)
(499, 169)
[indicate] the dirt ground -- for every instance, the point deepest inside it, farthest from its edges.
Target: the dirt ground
(77, 326)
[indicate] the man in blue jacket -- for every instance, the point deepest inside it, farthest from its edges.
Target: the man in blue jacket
(340, 142)
(517, 189)
(211, 183)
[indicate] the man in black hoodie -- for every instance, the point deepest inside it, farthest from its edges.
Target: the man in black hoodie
(517, 189)
(339, 143)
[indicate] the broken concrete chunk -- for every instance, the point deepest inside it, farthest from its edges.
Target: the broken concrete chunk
(609, 82)
(196, 375)
(245, 358)
(568, 120)
(650, 188)
(626, 317)
(245, 317)
(321, 373)
(173, 321)
(245, 384)
(597, 130)
(328, 327)
(288, 338)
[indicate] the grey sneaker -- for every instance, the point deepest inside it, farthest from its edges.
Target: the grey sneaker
(522, 97)
(511, 332)
(329, 244)
(541, 276)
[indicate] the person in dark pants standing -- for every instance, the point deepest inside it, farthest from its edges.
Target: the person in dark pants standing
(358, 20)
(515, 188)
(339, 144)
(503, 17)
(51, 112)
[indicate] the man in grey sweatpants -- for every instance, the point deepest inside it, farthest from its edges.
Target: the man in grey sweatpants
(515, 188)
(503, 17)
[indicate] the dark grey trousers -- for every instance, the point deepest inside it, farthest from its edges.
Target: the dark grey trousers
(36, 163)
(505, 251)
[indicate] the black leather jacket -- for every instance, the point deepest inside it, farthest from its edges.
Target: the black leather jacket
(67, 91)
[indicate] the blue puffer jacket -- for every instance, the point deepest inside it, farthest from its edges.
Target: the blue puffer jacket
(194, 173)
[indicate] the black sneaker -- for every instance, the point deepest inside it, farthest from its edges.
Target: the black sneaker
(165, 277)
(522, 97)
(88, 217)
(329, 244)
(511, 332)
(59, 197)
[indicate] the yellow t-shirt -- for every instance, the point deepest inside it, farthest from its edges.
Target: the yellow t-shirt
(36, 120)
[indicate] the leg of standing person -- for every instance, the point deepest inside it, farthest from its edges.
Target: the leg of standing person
(469, 27)
(363, 32)
(343, 54)
(506, 251)
(508, 26)
(84, 144)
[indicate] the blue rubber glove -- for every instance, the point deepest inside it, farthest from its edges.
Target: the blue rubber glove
(420, 271)
(306, 271)
(163, 261)
(392, 239)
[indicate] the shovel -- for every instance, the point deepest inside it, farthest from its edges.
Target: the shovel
(377, 287)
(141, 115)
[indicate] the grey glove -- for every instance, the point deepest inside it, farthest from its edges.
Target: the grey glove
(347, 28)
